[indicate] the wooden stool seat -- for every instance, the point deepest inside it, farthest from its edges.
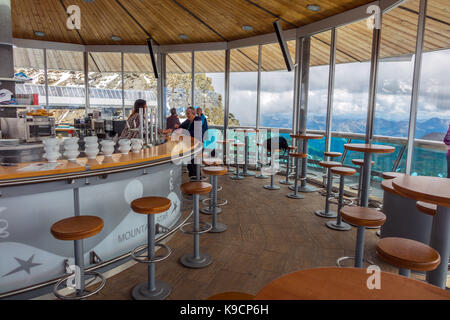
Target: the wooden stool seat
(292, 148)
(427, 208)
(298, 155)
(391, 175)
(343, 171)
(238, 144)
(212, 161)
(196, 187)
(330, 164)
(151, 205)
(232, 296)
(408, 254)
(333, 154)
(360, 162)
(77, 228)
(215, 171)
(363, 217)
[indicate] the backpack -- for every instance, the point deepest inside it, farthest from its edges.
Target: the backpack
(282, 144)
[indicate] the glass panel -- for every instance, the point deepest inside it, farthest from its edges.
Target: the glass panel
(243, 86)
(178, 82)
(277, 87)
(139, 79)
(105, 72)
(210, 85)
(433, 114)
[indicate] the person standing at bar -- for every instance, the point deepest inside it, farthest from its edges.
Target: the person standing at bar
(447, 142)
(204, 120)
(172, 122)
(131, 130)
(189, 124)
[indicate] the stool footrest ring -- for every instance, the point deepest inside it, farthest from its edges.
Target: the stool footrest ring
(84, 295)
(220, 202)
(341, 259)
(203, 228)
(145, 259)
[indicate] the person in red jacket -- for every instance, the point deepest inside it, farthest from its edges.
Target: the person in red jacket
(447, 142)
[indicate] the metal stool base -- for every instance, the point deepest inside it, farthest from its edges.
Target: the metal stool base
(86, 294)
(338, 227)
(141, 292)
(220, 227)
(210, 212)
(286, 183)
(269, 187)
(235, 177)
(249, 174)
(261, 176)
(307, 189)
(341, 259)
(189, 261)
(323, 214)
(295, 196)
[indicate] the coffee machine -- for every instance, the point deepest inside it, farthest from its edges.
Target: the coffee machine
(29, 128)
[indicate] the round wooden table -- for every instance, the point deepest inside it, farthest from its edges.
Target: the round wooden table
(368, 149)
(437, 191)
(348, 284)
(305, 137)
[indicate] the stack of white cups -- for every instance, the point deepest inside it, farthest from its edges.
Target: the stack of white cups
(51, 148)
(107, 147)
(71, 148)
(124, 146)
(91, 147)
(136, 145)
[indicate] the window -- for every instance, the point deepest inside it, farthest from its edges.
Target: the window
(210, 85)
(179, 82)
(243, 86)
(433, 113)
(277, 87)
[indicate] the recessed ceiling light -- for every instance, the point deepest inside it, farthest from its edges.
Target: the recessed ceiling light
(39, 34)
(89, 1)
(116, 38)
(247, 28)
(183, 36)
(313, 7)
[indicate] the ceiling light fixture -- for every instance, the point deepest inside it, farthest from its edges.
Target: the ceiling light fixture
(313, 7)
(183, 36)
(247, 28)
(116, 38)
(39, 34)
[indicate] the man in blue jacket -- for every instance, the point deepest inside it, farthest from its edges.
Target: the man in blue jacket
(190, 124)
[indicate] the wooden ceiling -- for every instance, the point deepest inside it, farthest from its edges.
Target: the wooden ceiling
(353, 41)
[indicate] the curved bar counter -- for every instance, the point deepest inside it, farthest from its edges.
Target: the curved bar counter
(35, 195)
(403, 219)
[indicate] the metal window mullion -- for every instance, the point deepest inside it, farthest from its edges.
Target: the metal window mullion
(193, 79)
(299, 83)
(296, 77)
(227, 92)
(86, 80)
(46, 78)
(258, 90)
(162, 88)
(416, 85)
(122, 69)
(331, 78)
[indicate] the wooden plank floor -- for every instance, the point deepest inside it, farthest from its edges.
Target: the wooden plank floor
(268, 235)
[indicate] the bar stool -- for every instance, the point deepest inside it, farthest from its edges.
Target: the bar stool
(360, 164)
(286, 181)
(327, 213)
(407, 255)
(214, 172)
(427, 208)
(361, 217)
(271, 171)
(296, 156)
(232, 296)
(237, 175)
(338, 224)
(76, 229)
(261, 161)
(197, 259)
(330, 155)
(391, 175)
(152, 289)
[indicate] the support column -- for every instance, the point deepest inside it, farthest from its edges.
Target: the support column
(161, 90)
(331, 77)
(86, 82)
(227, 94)
(123, 84)
(258, 90)
(193, 78)
(6, 46)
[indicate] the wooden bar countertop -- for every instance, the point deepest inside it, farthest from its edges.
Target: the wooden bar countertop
(43, 168)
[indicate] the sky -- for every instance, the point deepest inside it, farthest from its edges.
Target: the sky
(351, 90)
